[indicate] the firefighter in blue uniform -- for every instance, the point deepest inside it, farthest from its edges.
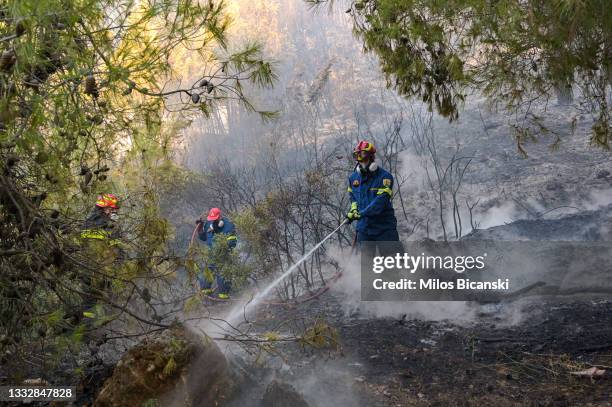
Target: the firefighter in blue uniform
(370, 189)
(216, 226)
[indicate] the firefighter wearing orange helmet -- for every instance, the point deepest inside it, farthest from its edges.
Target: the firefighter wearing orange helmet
(102, 233)
(101, 224)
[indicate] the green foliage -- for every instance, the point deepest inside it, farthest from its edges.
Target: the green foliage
(271, 336)
(227, 261)
(515, 52)
(255, 228)
(85, 90)
(320, 335)
(170, 366)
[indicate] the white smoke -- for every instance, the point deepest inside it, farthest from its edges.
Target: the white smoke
(501, 214)
(598, 198)
(413, 169)
(348, 288)
(330, 383)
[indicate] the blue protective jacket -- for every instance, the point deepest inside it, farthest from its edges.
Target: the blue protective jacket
(371, 193)
(210, 232)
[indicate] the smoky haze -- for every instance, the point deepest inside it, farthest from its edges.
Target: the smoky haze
(324, 81)
(329, 94)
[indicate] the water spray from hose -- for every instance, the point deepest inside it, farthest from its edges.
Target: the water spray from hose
(243, 308)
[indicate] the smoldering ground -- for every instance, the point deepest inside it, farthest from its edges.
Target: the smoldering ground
(537, 271)
(348, 288)
(378, 346)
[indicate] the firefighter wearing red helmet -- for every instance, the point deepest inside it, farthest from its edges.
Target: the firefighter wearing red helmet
(370, 188)
(215, 227)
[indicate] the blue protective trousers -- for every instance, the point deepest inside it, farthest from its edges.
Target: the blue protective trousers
(223, 286)
(389, 235)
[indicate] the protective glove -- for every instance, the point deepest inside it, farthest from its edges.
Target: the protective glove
(199, 224)
(353, 215)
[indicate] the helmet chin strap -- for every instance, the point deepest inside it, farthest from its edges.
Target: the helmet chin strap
(371, 167)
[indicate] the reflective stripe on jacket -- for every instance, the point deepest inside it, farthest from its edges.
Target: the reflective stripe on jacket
(371, 194)
(99, 227)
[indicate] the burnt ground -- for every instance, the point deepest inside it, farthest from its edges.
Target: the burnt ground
(409, 362)
(400, 362)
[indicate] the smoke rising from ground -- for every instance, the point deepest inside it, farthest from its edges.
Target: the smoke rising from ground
(558, 268)
(348, 287)
(598, 199)
(330, 383)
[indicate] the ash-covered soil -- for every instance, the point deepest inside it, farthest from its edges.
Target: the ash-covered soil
(399, 362)
(573, 177)
(591, 225)
(543, 350)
